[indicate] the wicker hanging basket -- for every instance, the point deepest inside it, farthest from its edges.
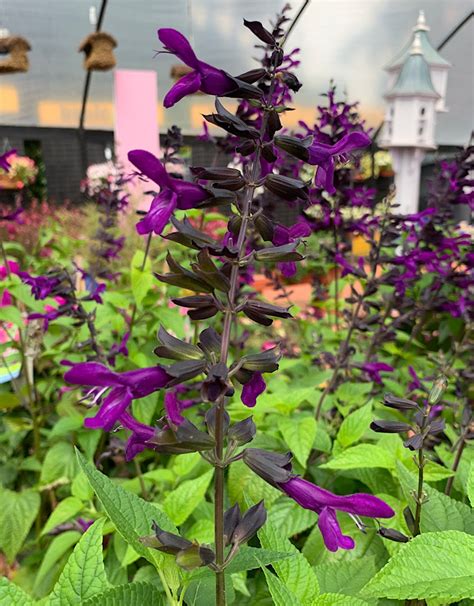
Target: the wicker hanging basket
(13, 57)
(99, 51)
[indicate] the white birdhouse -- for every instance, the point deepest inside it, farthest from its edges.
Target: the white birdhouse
(438, 66)
(410, 115)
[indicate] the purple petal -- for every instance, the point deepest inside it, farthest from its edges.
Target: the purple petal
(141, 433)
(173, 409)
(325, 176)
(313, 497)
(252, 389)
(150, 166)
(214, 81)
(331, 531)
(157, 218)
(92, 374)
(4, 163)
(145, 381)
(189, 194)
(300, 229)
(187, 85)
(177, 44)
(111, 409)
(288, 268)
(281, 235)
(350, 142)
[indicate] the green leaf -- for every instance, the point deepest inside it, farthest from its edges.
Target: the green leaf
(249, 558)
(470, 484)
(12, 595)
(299, 434)
(243, 484)
(354, 426)
(336, 599)
(131, 515)
(9, 400)
(439, 512)
(142, 281)
(133, 594)
(345, 576)
(18, 511)
(84, 573)
(59, 462)
(436, 565)
(280, 593)
(181, 502)
(56, 549)
(360, 456)
(296, 572)
(66, 509)
(9, 313)
(289, 518)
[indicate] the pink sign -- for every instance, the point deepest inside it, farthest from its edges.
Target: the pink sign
(136, 122)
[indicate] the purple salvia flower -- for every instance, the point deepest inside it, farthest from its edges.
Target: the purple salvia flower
(124, 388)
(325, 504)
(373, 369)
(285, 235)
(252, 389)
(41, 286)
(118, 348)
(174, 193)
(325, 156)
(204, 77)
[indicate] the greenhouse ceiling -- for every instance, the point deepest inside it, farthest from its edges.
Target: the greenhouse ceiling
(346, 40)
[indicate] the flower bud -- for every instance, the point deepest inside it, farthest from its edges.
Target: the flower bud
(381, 426)
(195, 556)
(243, 431)
(438, 389)
(393, 535)
(253, 519)
(232, 518)
(392, 401)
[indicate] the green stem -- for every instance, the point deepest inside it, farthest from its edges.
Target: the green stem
(142, 268)
(457, 460)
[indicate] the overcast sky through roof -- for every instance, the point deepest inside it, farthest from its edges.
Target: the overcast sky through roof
(347, 40)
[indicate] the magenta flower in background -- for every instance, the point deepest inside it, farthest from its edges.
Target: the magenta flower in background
(12, 216)
(285, 235)
(252, 389)
(204, 77)
(174, 193)
(325, 504)
(124, 388)
(325, 157)
(373, 369)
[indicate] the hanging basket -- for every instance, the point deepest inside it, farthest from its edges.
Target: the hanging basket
(99, 51)
(13, 57)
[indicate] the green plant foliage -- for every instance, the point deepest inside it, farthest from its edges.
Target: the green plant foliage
(84, 574)
(436, 565)
(18, 511)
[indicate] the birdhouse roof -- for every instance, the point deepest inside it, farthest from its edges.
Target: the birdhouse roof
(414, 78)
(88, 42)
(431, 55)
(14, 42)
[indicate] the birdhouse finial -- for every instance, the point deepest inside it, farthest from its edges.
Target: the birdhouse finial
(421, 23)
(416, 46)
